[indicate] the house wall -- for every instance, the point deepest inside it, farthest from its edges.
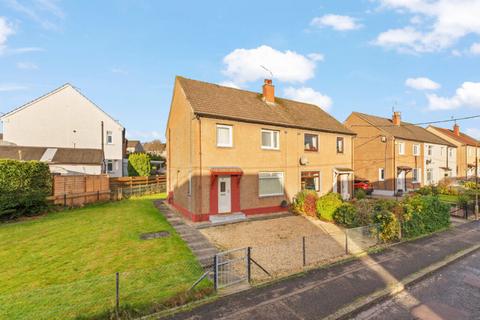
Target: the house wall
(410, 160)
(439, 158)
(69, 169)
(188, 136)
(372, 154)
(67, 119)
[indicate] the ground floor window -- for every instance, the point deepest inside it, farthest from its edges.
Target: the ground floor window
(310, 180)
(109, 166)
(270, 184)
(416, 175)
(381, 174)
(429, 176)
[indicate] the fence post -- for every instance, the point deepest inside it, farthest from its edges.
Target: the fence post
(346, 241)
(64, 199)
(304, 253)
(215, 275)
(98, 195)
(117, 293)
(249, 264)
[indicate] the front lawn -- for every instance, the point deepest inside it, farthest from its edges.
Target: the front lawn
(448, 198)
(63, 265)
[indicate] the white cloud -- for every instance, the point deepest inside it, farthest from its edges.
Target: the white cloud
(468, 95)
(11, 87)
(309, 95)
(6, 30)
(46, 13)
(336, 22)
(244, 65)
(119, 71)
(27, 66)
(473, 132)
(422, 83)
(439, 24)
(229, 84)
(456, 53)
(316, 56)
(475, 48)
(25, 50)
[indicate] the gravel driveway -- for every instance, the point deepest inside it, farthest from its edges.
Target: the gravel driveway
(277, 244)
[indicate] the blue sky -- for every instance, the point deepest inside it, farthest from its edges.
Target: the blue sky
(421, 56)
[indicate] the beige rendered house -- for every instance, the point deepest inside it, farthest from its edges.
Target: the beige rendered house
(236, 151)
(467, 149)
(393, 155)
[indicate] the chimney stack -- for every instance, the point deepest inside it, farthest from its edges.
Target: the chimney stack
(268, 91)
(396, 118)
(456, 130)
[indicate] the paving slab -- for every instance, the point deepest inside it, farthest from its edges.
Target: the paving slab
(321, 293)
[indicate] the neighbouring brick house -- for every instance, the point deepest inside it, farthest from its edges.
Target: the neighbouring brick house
(467, 149)
(398, 156)
(231, 150)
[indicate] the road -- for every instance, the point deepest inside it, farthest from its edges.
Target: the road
(323, 292)
(452, 293)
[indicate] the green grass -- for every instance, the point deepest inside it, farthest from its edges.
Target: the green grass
(63, 265)
(448, 198)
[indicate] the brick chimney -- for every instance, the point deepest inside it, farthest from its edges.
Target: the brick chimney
(268, 91)
(456, 129)
(397, 118)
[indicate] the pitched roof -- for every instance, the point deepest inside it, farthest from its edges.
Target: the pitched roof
(405, 130)
(54, 155)
(132, 143)
(212, 100)
(463, 138)
(46, 95)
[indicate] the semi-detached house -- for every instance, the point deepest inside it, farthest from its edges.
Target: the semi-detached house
(237, 151)
(397, 156)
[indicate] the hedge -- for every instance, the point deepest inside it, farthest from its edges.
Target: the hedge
(424, 214)
(139, 165)
(304, 203)
(327, 204)
(24, 187)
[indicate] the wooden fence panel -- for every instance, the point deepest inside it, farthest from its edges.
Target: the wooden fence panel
(79, 190)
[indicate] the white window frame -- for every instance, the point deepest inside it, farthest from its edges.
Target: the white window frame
(401, 148)
(450, 152)
(109, 137)
(430, 150)
(230, 135)
(272, 139)
(429, 171)
(318, 185)
(107, 162)
(282, 181)
(380, 171)
(416, 149)
(418, 178)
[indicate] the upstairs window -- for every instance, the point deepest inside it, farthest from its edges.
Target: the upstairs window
(310, 142)
(401, 148)
(270, 139)
(416, 149)
(224, 136)
(430, 150)
(450, 152)
(109, 137)
(340, 144)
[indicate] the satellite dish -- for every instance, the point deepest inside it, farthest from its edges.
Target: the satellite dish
(303, 160)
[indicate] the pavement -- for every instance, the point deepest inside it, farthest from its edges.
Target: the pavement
(451, 293)
(343, 290)
(196, 241)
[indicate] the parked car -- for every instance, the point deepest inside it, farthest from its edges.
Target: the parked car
(363, 184)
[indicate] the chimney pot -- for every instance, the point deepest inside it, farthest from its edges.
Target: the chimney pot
(456, 129)
(268, 91)
(397, 118)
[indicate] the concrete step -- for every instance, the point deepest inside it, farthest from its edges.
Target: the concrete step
(225, 218)
(198, 245)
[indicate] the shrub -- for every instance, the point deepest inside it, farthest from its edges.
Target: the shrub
(388, 226)
(346, 215)
(364, 211)
(327, 204)
(24, 187)
(424, 214)
(359, 194)
(139, 164)
(470, 185)
(304, 203)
